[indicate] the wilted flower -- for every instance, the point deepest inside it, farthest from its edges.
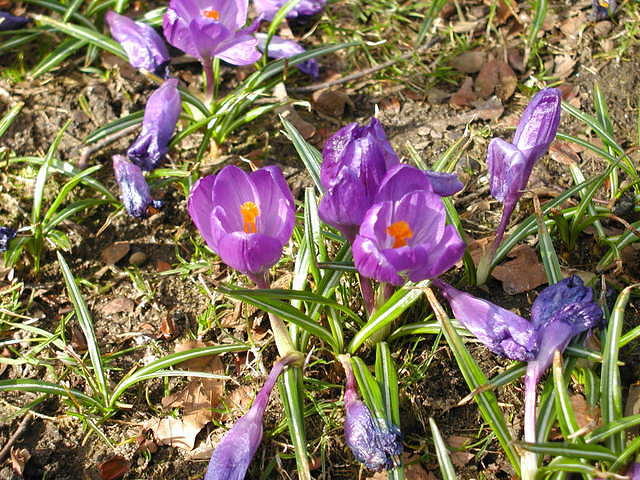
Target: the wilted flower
(246, 218)
(6, 235)
(144, 47)
(211, 28)
(11, 22)
(160, 117)
(268, 8)
(373, 441)
(232, 456)
(502, 331)
(282, 48)
(406, 239)
(603, 9)
(134, 190)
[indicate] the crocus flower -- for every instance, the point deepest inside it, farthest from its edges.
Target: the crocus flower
(11, 22)
(144, 47)
(246, 218)
(211, 28)
(373, 441)
(603, 9)
(232, 456)
(406, 239)
(268, 8)
(160, 117)
(282, 48)
(510, 164)
(6, 235)
(134, 190)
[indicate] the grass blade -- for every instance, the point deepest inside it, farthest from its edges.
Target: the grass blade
(571, 450)
(9, 117)
(309, 155)
(291, 393)
(40, 386)
(444, 461)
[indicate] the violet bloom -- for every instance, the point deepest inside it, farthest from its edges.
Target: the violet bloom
(134, 190)
(406, 239)
(283, 48)
(211, 28)
(160, 117)
(144, 47)
(6, 235)
(232, 456)
(502, 331)
(11, 22)
(268, 8)
(373, 441)
(246, 218)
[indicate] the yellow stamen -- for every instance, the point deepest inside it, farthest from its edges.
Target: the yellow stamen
(400, 231)
(211, 13)
(250, 212)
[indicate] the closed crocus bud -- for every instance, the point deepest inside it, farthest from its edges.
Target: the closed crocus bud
(134, 190)
(406, 239)
(11, 22)
(246, 218)
(268, 8)
(502, 331)
(355, 161)
(283, 48)
(6, 235)
(144, 47)
(160, 118)
(232, 456)
(212, 28)
(372, 441)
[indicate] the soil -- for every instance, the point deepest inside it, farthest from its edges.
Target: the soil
(62, 448)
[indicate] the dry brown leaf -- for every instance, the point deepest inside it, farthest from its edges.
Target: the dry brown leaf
(490, 109)
(465, 95)
(115, 252)
(175, 432)
(587, 416)
(516, 59)
(306, 129)
(523, 273)
(564, 65)
(118, 305)
(19, 458)
(496, 76)
(330, 102)
(114, 468)
(469, 62)
(168, 327)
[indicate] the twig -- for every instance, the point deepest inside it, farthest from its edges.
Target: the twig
(366, 71)
(21, 428)
(91, 149)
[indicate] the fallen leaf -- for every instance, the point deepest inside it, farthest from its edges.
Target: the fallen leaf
(587, 416)
(168, 327)
(458, 456)
(114, 253)
(175, 432)
(563, 66)
(496, 76)
(114, 468)
(469, 62)
(78, 340)
(515, 59)
(118, 305)
(306, 129)
(19, 458)
(162, 266)
(330, 102)
(523, 273)
(465, 94)
(490, 109)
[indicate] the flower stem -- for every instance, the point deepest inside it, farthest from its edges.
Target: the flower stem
(484, 267)
(210, 81)
(368, 295)
(529, 462)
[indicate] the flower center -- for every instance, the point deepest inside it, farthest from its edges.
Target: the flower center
(400, 231)
(211, 13)
(250, 212)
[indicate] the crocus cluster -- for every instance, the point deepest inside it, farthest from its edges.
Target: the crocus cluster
(392, 213)
(373, 441)
(11, 22)
(232, 456)
(510, 164)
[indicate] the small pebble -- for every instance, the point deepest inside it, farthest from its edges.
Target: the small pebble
(137, 258)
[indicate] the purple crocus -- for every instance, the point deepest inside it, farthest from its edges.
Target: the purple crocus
(11, 22)
(374, 442)
(144, 47)
(211, 28)
(246, 218)
(134, 190)
(282, 48)
(232, 456)
(406, 239)
(6, 235)
(603, 9)
(160, 117)
(268, 8)
(510, 164)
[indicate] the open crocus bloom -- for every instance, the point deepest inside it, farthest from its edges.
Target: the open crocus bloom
(160, 117)
(134, 190)
(406, 239)
(268, 8)
(246, 218)
(282, 48)
(144, 47)
(211, 28)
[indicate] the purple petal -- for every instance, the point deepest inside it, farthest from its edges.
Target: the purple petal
(134, 190)
(6, 235)
(200, 205)
(401, 180)
(144, 47)
(268, 8)
(555, 297)
(249, 253)
(243, 51)
(282, 48)
(539, 124)
(160, 118)
(275, 200)
(444, 184)
(441, 257)
(509, 171)
(372, 263)
(11, 22)
(349, 191)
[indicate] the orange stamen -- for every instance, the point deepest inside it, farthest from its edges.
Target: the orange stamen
(400, 231)
(210, 13)
(250, 213)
